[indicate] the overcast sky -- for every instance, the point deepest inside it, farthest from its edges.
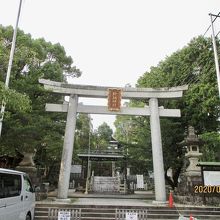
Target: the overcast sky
(113, 42)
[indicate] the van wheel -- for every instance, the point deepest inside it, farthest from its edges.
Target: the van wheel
(28, 217)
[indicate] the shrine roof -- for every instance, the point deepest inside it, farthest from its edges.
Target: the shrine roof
(101, 155)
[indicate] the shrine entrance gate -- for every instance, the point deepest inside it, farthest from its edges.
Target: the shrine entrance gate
(73, 107)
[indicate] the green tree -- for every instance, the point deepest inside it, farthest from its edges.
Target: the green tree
(211, 146)
(14, 100)
(192, 65)
(36, 129)
(84, 136)
(103, 136)
(135, 142)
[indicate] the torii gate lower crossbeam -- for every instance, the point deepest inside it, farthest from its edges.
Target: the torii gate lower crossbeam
(154, 111)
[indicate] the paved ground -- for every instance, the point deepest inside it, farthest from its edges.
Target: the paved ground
(108, 201)
(139, 198)
(136, 195)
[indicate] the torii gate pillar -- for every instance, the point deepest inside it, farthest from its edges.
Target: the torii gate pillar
(159, 181)
(64, 177)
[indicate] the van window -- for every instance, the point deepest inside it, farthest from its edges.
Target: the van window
(27, 184)
(10, 185)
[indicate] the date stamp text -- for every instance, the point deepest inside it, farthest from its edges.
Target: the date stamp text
(206, 189)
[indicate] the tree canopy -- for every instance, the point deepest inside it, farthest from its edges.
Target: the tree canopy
(15, 101)
(193, 65)
(36, 128)
(32, 128)
(103, 136)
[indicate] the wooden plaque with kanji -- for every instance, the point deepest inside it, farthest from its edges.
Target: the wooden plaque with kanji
(114, 99)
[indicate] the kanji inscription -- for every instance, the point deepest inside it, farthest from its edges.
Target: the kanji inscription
(114, 99)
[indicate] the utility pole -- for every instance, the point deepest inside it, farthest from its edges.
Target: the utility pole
(10, 65)
(215, 51)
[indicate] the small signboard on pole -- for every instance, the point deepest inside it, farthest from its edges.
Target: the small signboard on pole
(76, 169)
(140, 181)
(131, 216)
(63, 215)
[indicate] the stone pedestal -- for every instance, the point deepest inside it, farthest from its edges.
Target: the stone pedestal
(27, 165)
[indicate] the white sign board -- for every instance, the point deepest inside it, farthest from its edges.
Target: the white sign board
(63, 215)
(211, 178)
(140, 182)
(76, 169)
(131, 216)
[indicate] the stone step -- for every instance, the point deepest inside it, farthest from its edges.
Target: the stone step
(112, 208)
(97, 218)
(108, 213)
(44, 206)
(162, 218)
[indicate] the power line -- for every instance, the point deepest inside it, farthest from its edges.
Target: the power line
(215, 52)
(195, 80)
(216, 16)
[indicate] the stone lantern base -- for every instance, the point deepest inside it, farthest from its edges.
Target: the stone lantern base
(27, 165)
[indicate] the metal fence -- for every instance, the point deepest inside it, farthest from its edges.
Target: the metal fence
(75, 214)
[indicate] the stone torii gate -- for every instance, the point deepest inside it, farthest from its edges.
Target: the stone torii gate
(153, 110)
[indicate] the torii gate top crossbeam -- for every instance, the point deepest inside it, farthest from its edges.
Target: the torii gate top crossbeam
(102, 92)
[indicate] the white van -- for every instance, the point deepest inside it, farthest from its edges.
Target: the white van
(17, 197)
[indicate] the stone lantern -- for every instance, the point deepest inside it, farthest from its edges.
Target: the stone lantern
(191, 174)
(192, 143)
